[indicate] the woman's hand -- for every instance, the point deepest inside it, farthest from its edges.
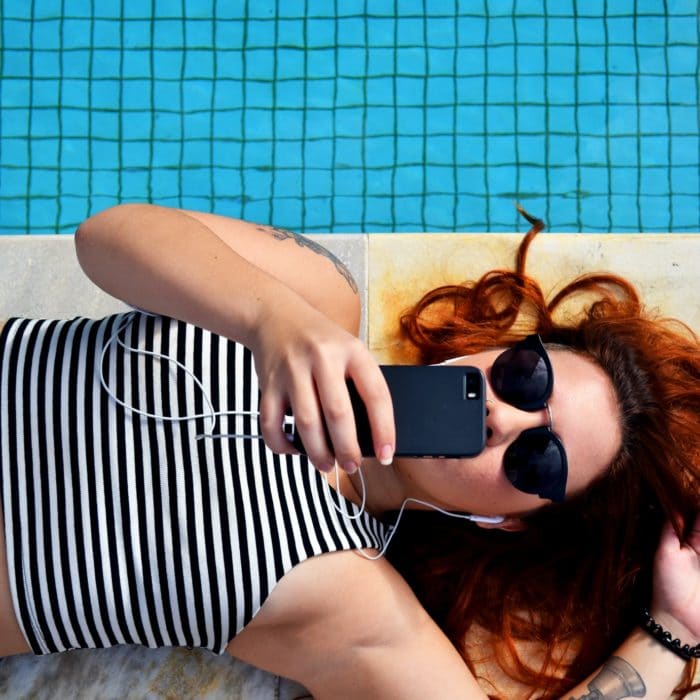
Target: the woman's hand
(676, 603)
(302, 359)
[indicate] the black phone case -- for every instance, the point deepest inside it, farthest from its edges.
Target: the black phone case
(439, 411)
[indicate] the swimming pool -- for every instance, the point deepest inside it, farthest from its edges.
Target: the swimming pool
(338, 115)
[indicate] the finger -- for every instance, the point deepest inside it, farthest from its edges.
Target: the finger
(339, 417)
(272, 410)
(309, 424)
(373, 390)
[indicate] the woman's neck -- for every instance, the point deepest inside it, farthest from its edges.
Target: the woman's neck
(382, 491)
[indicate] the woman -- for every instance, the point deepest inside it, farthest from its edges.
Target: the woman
(121, 527)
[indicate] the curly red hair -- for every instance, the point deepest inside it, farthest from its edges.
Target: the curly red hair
(576, 578)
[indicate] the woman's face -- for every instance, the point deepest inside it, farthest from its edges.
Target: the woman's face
(585, 418)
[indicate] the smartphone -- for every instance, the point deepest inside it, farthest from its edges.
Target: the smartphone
(439, 411)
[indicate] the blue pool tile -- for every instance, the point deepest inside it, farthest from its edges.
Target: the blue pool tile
(316, 183)
(620, 30)
(683, 90)
(441, 32)
(288, 154)
(562, 149)
(317, 213)
(440, 120)
(624, 152)
(654, 150)
(593, 119)
(594, 213)
(409, 150)
(533, 181)
(319, 33)
(104, 151)
(199, 34)
(501, 149)
(317, 123)
(531, 148)
(438, 178)
(257, 124)
(500, 118)
(289, 124)
(377, 211)
(289, 93)
(684, 120)
(15, 210)
(228, 95)
(133, 154)
(74, 153)
(378, 121)
(379, 61)
(561, 59)
(257, 183)
(532, 89)
(438, 211)
(531, 118)
(351, 31)
(410, 31)
(470, 209)
(684, 182)
(261, 34)
(470, 61)
(348, 122)
(470, 150)
(684, 151)
(106, 182)
(42, 211)
(350, 183)
(379, 183)
(654, 181)
(320, 63)
(560, 88)
(350, 61)
(379, 152)
(470, 180)
(560, 118)
(500, 179)
(74, 182)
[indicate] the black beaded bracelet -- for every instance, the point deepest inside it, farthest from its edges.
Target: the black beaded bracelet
(650, 625)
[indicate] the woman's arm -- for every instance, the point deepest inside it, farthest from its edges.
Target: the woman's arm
(286, 302)
(642, 667)
(346, 627)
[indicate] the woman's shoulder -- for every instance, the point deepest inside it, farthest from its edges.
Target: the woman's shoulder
(328, 601)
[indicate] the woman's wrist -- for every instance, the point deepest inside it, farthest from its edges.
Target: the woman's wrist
(669, 632)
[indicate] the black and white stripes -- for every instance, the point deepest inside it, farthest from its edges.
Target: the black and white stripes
(123, 529)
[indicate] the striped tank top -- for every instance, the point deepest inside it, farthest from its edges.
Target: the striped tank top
(126, 529)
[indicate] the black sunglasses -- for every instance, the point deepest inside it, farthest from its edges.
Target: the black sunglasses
(535, 462)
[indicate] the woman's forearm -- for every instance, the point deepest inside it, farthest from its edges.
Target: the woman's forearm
(167, 262)
(640, 668)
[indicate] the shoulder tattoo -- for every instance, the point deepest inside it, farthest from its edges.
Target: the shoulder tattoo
(282, 234)
(616, 680)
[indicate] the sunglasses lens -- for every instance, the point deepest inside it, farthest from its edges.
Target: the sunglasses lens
(536, 463)
(521, 377)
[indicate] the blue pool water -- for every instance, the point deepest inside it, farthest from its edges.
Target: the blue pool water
(339, 115)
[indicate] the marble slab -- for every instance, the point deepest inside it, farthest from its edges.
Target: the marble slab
(402, 267)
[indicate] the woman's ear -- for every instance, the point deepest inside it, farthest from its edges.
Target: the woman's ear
(509, 524)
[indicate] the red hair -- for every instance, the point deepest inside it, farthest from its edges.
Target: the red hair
(576, 578)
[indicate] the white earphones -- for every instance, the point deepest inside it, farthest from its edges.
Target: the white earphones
(212, 414)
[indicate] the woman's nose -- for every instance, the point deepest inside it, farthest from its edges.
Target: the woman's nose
(505, 422)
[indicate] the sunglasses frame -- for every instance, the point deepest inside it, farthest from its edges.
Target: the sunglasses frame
(534, 343)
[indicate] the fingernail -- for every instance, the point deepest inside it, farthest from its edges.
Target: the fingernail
(386, 455)
(324, 467)
(350, 467)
